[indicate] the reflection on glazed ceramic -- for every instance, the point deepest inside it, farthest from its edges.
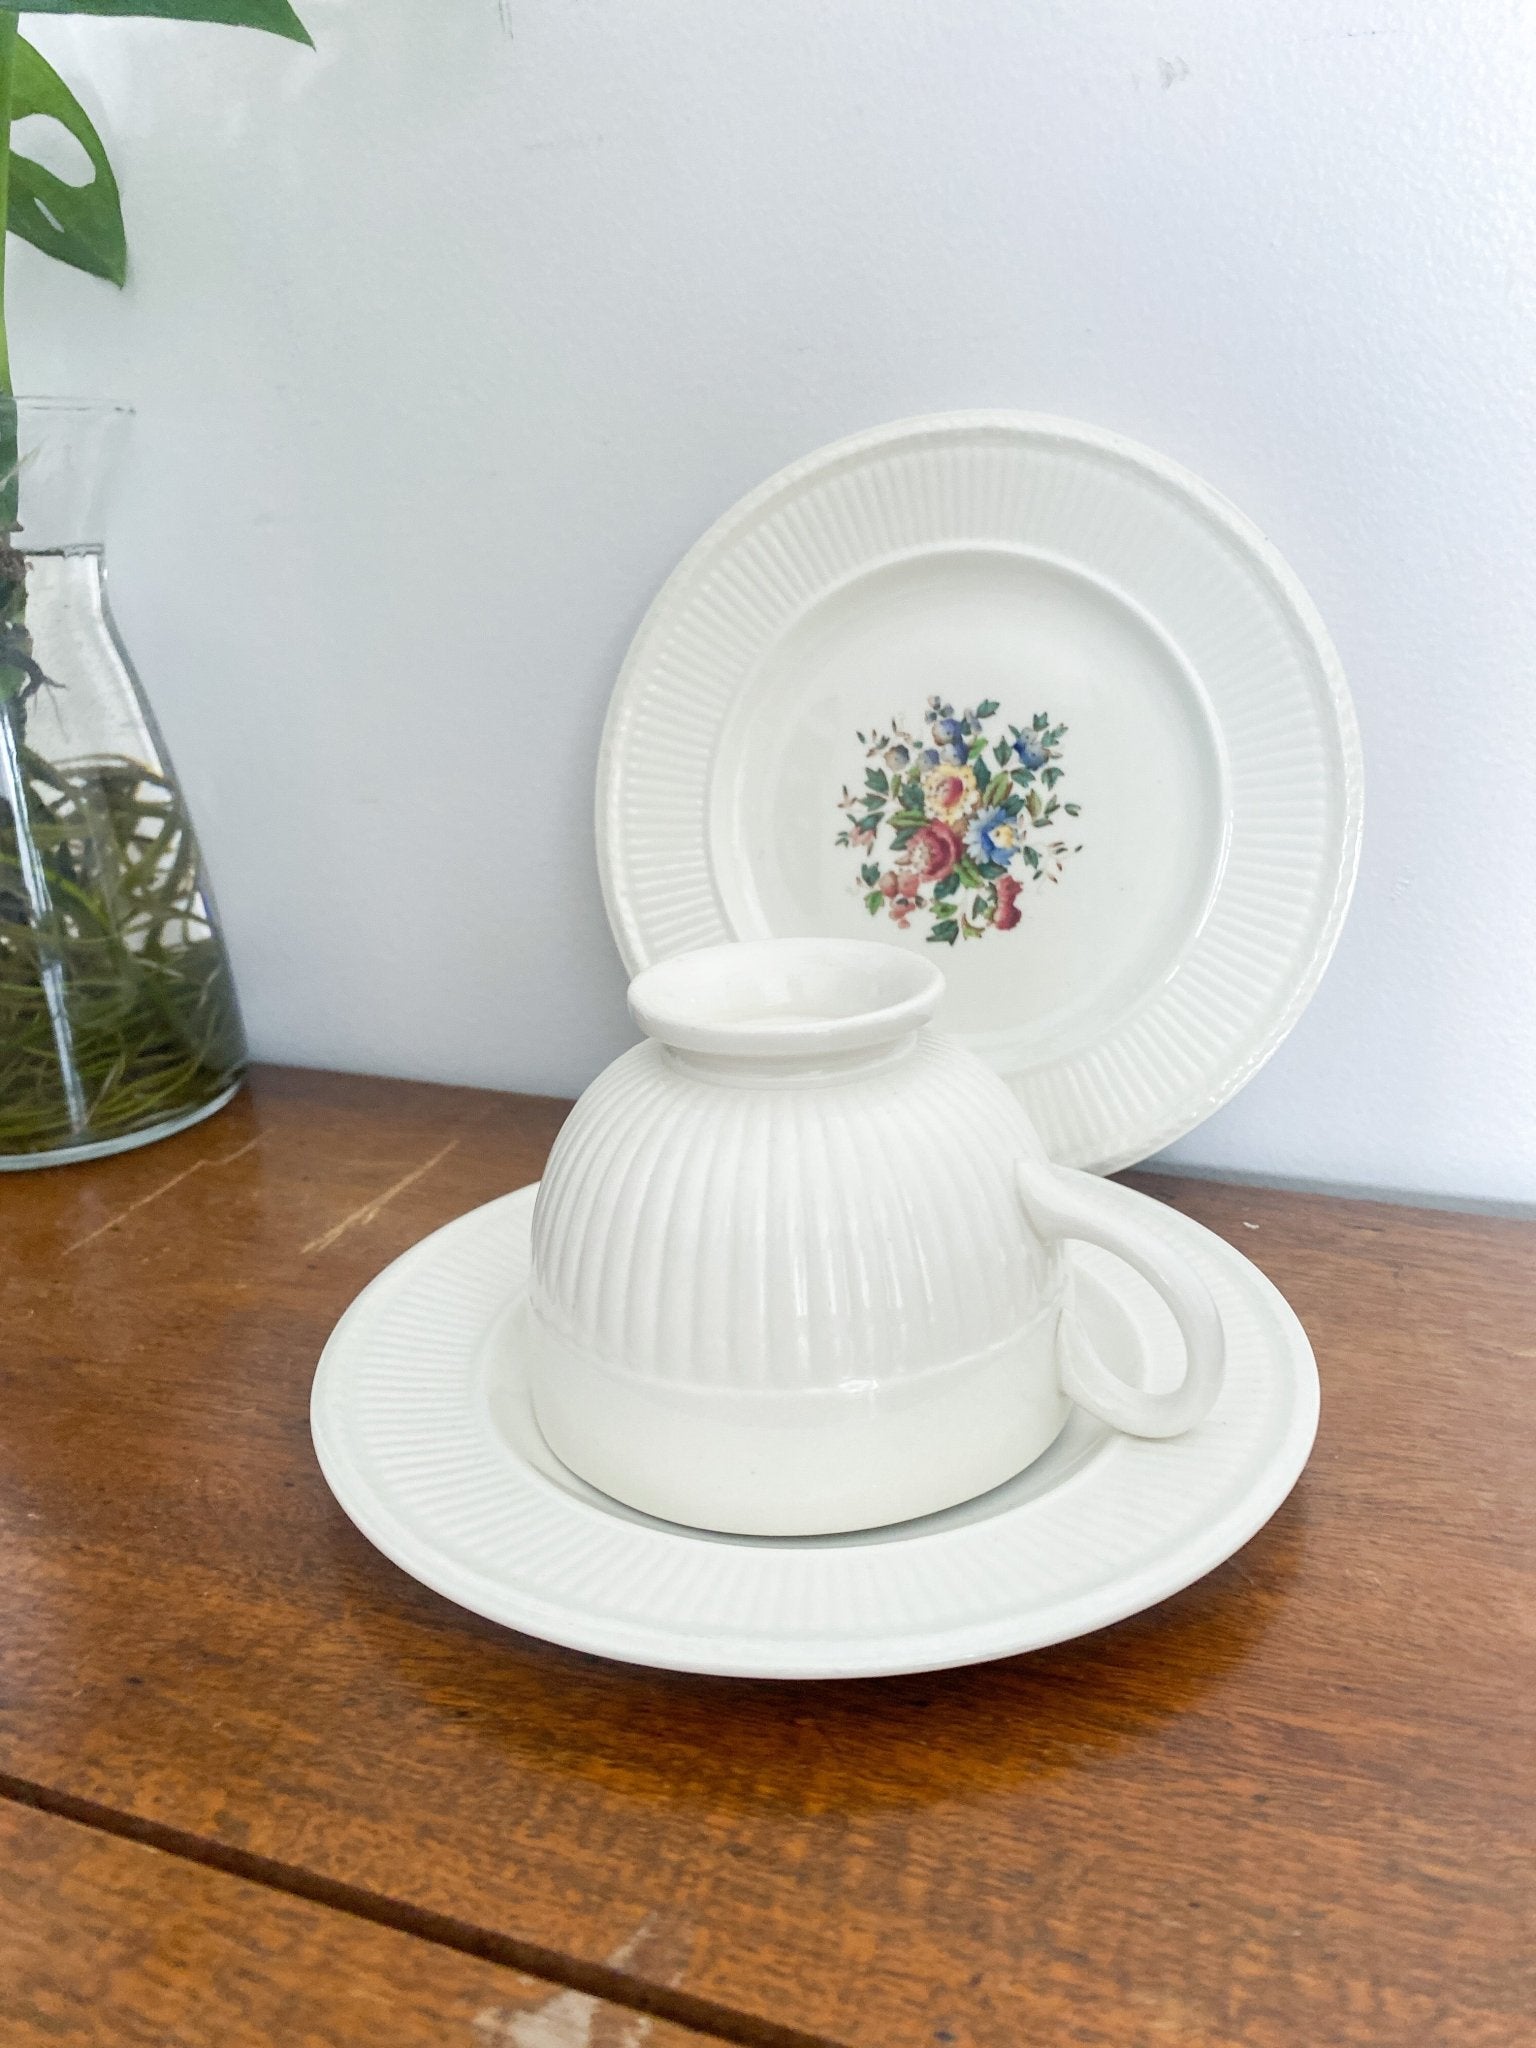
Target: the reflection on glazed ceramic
(973, 817)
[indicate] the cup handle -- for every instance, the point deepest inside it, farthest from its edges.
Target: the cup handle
(1060, 1203)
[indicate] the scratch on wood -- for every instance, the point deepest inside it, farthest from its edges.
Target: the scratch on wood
(154, 1195)
(379, 1203)
(572, 2019)
(576, 2018)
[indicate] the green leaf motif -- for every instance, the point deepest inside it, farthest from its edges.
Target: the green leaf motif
(987, 708)
(274, 15)
(877, 779)
(82, 225)
(873, 901)
(944, 933)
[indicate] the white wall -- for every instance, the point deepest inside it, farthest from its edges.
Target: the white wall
(448, 339)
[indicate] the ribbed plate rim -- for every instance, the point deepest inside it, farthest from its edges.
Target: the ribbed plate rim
(1121, 1145)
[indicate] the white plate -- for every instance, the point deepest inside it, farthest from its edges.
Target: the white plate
(424, 1432)
(1171, 679)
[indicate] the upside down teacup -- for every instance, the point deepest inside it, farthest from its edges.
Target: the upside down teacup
(798, 1259)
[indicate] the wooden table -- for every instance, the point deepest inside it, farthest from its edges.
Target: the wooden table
(261, 1787)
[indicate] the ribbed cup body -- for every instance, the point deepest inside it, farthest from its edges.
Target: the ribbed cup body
(743, 1228)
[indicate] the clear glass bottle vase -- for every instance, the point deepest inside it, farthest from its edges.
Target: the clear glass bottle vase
(118, 1017)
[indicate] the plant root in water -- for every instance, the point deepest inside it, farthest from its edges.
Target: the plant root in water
(116, 1009)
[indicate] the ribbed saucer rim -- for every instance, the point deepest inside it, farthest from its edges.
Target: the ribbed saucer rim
(395, 1527)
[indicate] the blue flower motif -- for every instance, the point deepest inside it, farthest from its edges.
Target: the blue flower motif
(1029, 750)
(948, 731)
(897, 757)
(993, 836)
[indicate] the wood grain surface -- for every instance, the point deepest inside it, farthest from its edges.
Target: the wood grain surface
(1292, 1807)
(104, 1941)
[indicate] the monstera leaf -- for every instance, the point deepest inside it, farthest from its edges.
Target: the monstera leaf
(79, 224)
(82, 225)
(275, 15)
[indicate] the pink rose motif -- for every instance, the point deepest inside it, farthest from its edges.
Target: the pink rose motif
(935, 850)
(900, 886)
(1006, 915)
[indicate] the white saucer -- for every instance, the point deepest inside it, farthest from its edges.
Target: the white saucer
(1140, 871)
(425, 1435)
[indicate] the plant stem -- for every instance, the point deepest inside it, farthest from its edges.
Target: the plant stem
(10, 447)
(8, 31)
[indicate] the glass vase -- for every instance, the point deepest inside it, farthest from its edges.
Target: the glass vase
(118, 1017)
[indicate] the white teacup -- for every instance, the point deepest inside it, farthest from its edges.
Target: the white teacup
(797, 1259)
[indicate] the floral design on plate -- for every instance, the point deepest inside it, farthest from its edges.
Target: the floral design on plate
(970, 817)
